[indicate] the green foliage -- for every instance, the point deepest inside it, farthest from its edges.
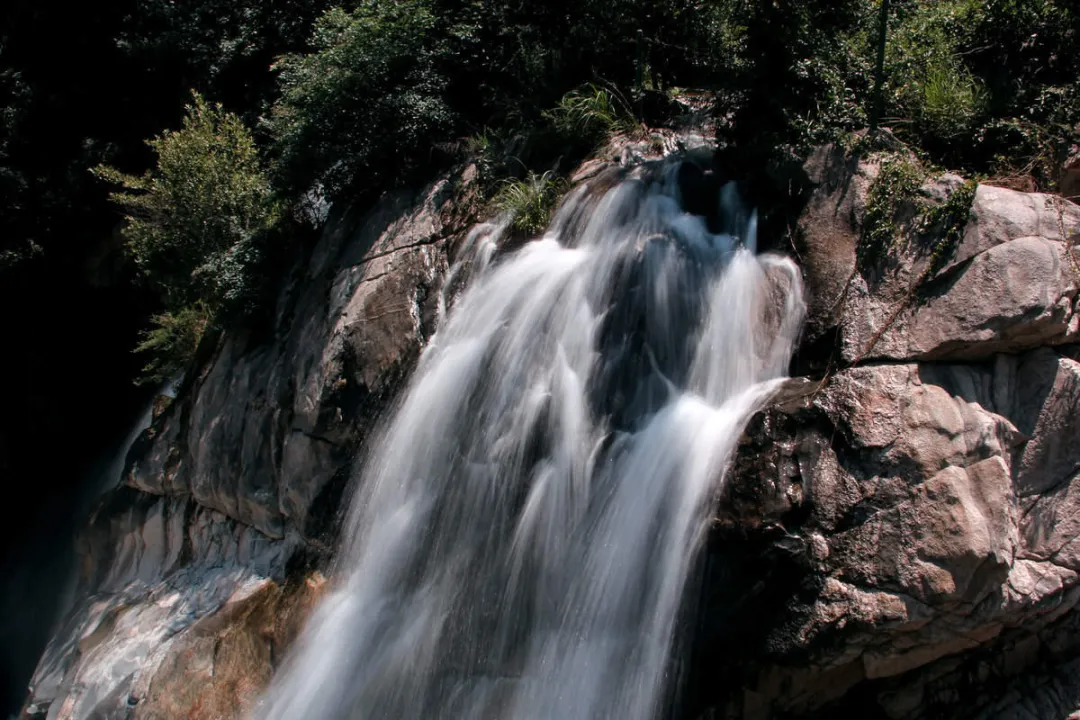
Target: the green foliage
(133, 65)
(479, 144)
(192, 221)
(171, 342)
(802, 77)
(895, 187)
(950, 99)
(388, 86)
(1026, 155)
(529, 202)
(841, 105)
(366, 105)
(894, 208)
(986, 85)
(592, 113)
(1020, 48)
(388, 82)
(224, 47)
(15, 256)
(194, 227)
(945, 223)
(380, 89)
(929, 86)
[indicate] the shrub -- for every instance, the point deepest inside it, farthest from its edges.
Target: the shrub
(802, 70)
(591, 113)
(930, 88)
(1019, 48)
(364, 108)
(172, 342)
(950, 98)
(1024, 155)
(840, 106)
(193, 220)
(194, 227)
(987, 85)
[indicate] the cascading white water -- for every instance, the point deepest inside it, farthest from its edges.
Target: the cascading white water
(522, 532)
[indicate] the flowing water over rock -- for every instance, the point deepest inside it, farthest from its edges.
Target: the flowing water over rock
(523, 530)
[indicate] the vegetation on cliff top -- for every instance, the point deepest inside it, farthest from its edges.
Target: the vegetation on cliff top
(377, 92)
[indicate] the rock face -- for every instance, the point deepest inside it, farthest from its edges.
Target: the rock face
(1010, 284)
(897, 536)
(197, 572)
(919, 505)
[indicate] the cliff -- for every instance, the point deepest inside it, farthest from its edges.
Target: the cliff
(896, 535)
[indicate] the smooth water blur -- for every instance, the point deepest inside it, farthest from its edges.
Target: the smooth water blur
(521, 536)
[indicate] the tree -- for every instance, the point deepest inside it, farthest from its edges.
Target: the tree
(192, 218)
(194, 226)
(367, 104)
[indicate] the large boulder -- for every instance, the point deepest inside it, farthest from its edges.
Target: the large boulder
(911, 513)
(1009, 285)
(907, 493)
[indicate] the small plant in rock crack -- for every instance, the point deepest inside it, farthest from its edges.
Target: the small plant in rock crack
(591, 112)
(944, 226)
(896, 185)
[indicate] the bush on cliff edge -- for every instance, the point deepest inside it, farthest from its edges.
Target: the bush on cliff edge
(195, 226)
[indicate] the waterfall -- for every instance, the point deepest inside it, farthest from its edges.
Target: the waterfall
(523, 529)
(113, 475)
(104, 478)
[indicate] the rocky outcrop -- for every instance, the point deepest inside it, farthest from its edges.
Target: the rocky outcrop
(1009, 285)
(919, 501)
(265, 428)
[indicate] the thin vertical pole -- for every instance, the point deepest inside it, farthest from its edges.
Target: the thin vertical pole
(879, 71)
(640, 59)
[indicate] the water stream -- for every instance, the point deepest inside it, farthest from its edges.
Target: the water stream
(522, 533)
